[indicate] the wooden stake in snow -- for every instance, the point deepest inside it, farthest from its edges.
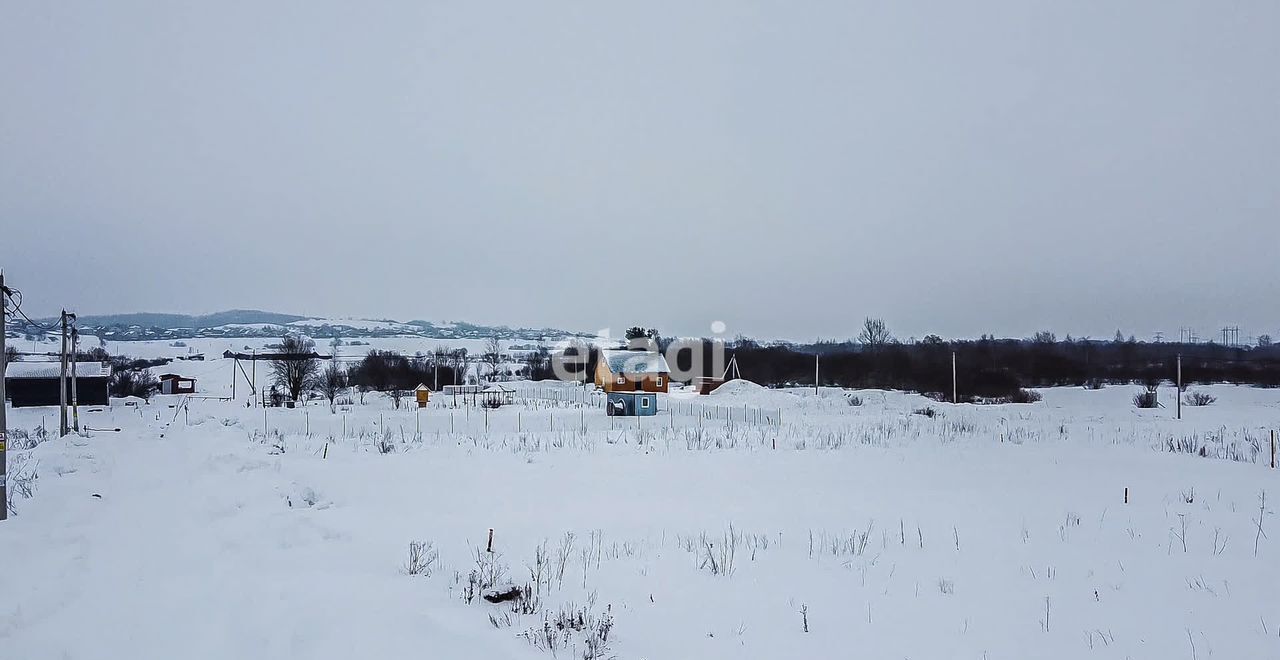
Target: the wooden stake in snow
(1273, 449)
(1262, 512)
(1126, 494)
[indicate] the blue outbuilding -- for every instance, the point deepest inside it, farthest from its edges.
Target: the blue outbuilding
(631, 404)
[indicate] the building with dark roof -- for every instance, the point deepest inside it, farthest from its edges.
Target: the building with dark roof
(30, 384)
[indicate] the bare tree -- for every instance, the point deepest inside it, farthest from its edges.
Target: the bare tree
(538, 363)
(492, 356)
(459, 362)
(1264, 341)
(571, 363)
(297, 365)
(331, 383)
(875, 334)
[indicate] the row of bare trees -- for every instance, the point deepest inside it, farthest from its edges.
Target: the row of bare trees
(297, 369)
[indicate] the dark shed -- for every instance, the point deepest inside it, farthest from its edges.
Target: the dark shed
(36, 383)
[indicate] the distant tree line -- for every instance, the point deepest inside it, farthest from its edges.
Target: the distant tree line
(384, 371)
(985, 368)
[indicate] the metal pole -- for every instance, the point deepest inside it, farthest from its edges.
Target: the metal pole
(62, 380)
(255, 376)
(4, 459)
(75, 399)
(815, 374)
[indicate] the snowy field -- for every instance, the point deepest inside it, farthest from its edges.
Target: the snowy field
(208, 529)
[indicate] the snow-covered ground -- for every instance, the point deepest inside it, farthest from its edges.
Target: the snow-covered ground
(208, 529)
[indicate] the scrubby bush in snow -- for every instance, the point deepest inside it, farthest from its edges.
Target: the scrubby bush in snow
(133, 382)
(1199, 399)
(22, 476)
(1025, 396)
(1146, 398)
(384, 444)
(423, 558)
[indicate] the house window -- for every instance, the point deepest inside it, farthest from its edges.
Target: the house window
(659, 381)
(621, 380)
(644, 403)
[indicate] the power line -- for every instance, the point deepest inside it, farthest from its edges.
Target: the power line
(17, 307)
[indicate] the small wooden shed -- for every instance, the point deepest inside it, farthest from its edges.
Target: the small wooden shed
(175, 384)
(422, 394)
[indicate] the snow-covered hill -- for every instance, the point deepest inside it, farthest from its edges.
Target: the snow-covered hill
(252, 323)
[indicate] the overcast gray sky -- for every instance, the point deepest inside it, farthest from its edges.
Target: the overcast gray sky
(787, 168)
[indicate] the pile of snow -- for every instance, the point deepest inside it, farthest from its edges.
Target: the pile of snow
(739, 386)
(746, 393)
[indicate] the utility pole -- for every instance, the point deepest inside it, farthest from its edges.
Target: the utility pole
(815, 374)
(62, 380)
(955, 389)
(4, 459)
(1179, 386)
(75, 401)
